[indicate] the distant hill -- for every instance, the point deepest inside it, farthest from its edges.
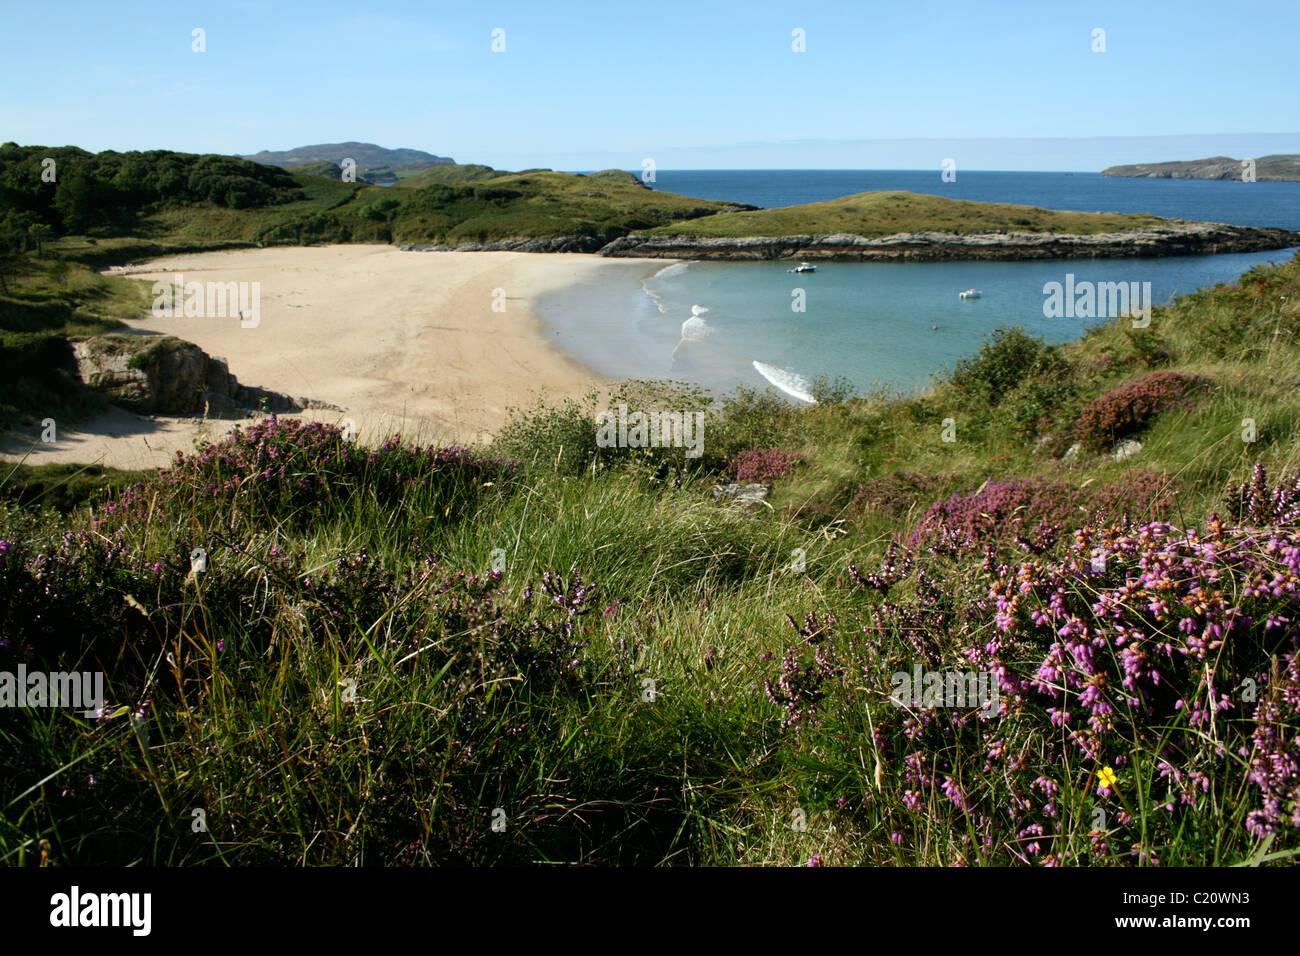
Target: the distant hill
(181, 199)
(456, 174)
(1276, 168)
(375, 164)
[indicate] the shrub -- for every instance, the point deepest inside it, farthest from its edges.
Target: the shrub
(1034, 407)
(1008, 357)
(562, 437)
(1141, 495)
(1148, 347)
(832, 391)
(1163, 626)
(1255, 503)
(995, 512)
(1034, 513)
(895, 494)
(1148, 635)
(303, 472)
(753, 419)
(1131, 407)
(1148, 663)
(762, 464)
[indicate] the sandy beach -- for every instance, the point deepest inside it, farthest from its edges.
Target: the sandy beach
(435, 345)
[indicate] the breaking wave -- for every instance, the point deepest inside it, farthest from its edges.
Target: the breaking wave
(792, 383)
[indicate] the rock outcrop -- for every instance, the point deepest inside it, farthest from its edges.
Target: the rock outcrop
(1127, 449)
(167, 376)
(1178, 239)
(748, 495)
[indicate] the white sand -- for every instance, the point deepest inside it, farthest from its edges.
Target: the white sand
(401, 341)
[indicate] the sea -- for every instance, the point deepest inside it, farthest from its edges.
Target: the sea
(891, 325)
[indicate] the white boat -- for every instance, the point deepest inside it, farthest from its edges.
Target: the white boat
(969, 294)
(803, 267)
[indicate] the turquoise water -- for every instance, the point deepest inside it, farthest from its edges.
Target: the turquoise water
(896, 324)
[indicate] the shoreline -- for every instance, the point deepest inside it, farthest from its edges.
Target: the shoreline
(434, 346)
(1190, 239)
(1176, 239)
(437, 346)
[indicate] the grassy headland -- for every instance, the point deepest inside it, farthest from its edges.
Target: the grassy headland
(545, 650)
(902, 225)
(879, 214)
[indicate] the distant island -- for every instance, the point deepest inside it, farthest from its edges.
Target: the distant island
(1282, 167)
(375, 164)
(894, 225)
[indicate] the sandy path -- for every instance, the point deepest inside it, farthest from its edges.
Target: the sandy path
(402, 341)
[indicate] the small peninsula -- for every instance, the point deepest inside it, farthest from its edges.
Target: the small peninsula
(1280, 167)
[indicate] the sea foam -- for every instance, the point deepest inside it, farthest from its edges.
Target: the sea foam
(695, 328)
(676, 269)
(792, 383)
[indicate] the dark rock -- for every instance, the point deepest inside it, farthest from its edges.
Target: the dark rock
(1179, 238)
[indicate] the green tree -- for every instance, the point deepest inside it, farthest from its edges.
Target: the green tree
(75, 201)
(40, 232)
(59, 270)
(12, 244)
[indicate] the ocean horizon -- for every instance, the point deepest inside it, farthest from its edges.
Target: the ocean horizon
(1275, 204)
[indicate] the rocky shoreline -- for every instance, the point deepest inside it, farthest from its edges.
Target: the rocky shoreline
(1180, 239)
(1195, 239)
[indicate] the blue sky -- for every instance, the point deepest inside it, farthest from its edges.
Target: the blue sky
(703, 84)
